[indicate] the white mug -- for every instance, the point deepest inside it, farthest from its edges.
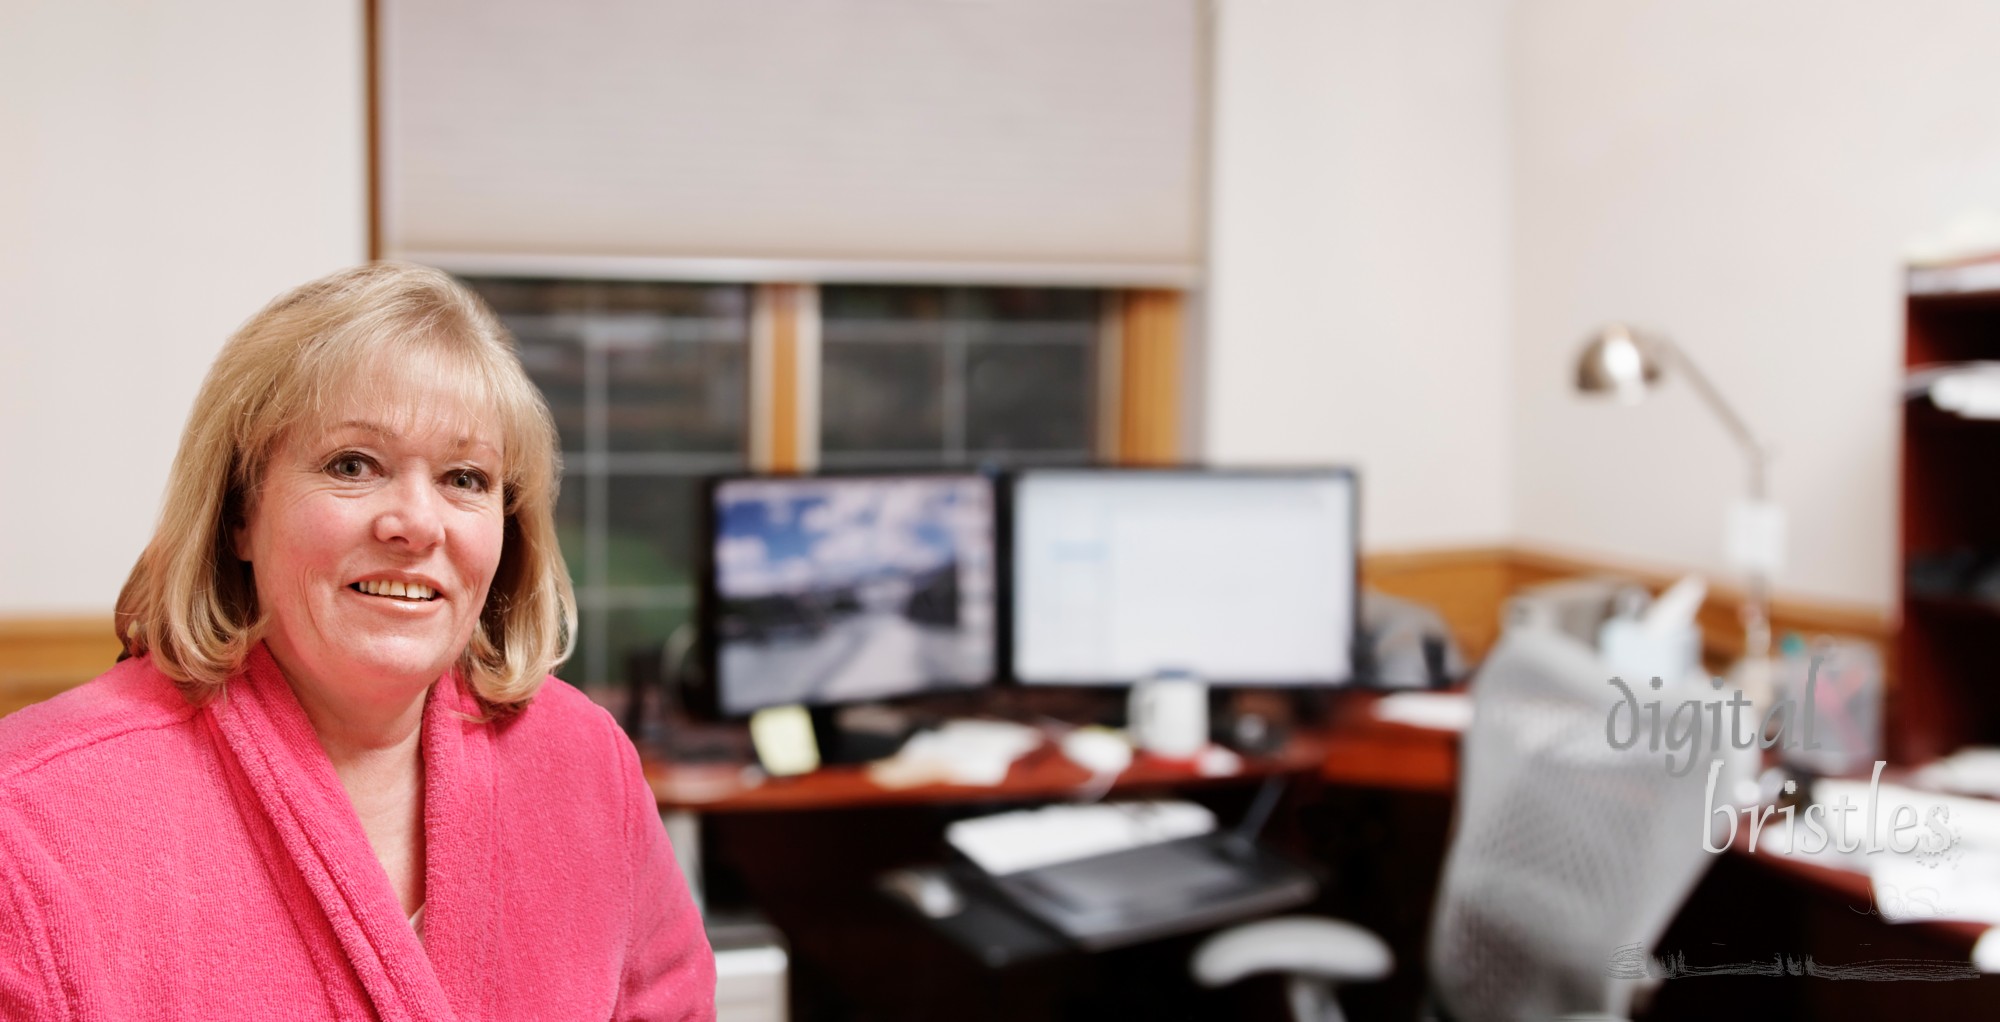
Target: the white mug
(1168, 716)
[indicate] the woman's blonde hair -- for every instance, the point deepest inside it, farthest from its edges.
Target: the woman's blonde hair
(192, 604)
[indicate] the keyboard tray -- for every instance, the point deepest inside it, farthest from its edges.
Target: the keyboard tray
(1159, 890)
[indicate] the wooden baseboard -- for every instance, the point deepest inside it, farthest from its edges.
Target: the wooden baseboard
(1465, 586)
(42, 656)
(1469, 585)
(1720, 617)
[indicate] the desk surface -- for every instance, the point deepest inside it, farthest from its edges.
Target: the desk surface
(1353, 748)
(1043, 774)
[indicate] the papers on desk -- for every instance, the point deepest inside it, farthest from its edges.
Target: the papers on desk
(969, 752)
(1986, 953)
(1962, 883)
(1031, 838)
(1438, 711)
(1974, 770)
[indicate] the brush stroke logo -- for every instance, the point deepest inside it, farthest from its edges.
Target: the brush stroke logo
(1630, 720)
(1630, 961)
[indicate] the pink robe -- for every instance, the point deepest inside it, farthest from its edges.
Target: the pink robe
(159, 861)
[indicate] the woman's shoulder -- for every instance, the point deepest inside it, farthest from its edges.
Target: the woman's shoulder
(561, 716)
(563, 744)
(131, 702)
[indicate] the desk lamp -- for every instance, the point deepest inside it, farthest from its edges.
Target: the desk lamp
(1626, 363)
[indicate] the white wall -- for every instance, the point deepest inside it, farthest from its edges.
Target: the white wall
(1360, 233)
(1742, 176)
(1418, 209)
(168, 169)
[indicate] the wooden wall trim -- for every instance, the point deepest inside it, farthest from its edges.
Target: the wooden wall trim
(785, 378)
(40, 656)
(1721, 625)
(781, 407)
(1469, 585)
(1466, 586)
(1149, 391)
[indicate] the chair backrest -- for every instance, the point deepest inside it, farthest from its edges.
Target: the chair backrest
(1566, 849)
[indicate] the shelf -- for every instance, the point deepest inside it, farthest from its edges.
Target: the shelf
(1950, 509)
(1972, 280)
(1921, 413)
(1955, 606)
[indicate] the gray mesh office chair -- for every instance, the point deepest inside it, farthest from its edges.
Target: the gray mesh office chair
(1565, 849)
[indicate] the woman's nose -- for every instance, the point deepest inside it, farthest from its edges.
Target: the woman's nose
(411, 515)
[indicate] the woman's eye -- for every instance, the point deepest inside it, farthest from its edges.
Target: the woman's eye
(348, 466)
(469, 480)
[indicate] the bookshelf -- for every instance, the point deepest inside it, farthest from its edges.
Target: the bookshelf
(1948, 650)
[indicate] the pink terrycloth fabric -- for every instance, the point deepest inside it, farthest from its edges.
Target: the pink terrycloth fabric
(159, 861)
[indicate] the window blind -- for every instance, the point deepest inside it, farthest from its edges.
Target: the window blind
(848, 139)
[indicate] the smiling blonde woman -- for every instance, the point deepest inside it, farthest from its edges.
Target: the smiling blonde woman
(333, 777)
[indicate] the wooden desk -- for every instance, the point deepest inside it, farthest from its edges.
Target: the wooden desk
(1748, 907)
(1043, 775)
(1353, 748)
(1376, 806)
(806, 851)
(1365, 752)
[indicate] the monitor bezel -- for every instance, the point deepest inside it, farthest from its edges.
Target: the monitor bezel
(1010, 582)
(705, 699)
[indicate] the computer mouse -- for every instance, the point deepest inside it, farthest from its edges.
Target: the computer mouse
(929, 891)
(1098, 750)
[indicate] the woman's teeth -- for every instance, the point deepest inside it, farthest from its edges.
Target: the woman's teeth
(406, 590)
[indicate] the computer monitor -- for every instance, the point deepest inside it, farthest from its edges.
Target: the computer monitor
(1239, 578)
(825, 590)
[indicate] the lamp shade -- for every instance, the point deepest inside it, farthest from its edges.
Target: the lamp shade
(1621, 361)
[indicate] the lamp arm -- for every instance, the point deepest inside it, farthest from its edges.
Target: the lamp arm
(1753, 449)
(1756, 609)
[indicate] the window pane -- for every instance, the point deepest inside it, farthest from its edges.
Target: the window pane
(920, 376)
(569, 533)
(1054, 305)
(570, 524)
(544, 318)
(649, 530)
(642, 631)
(1029, 397)
(881, 395)
(677, 366)
(648, 385)
(679, 395)
(869, 302)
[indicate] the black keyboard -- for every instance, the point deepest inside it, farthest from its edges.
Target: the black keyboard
(1159, 890)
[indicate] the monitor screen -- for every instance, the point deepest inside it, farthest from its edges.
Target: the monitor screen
(1240, 578)
(837, 589)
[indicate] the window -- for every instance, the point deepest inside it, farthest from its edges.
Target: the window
(648, 386)
(916, 376)
(656, 385)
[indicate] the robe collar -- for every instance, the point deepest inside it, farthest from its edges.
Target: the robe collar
(291, 782)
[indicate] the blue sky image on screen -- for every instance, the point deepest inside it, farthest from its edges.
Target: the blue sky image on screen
(837, 590)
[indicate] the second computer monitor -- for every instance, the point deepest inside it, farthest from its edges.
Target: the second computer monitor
(837, 589)
(1240, 578)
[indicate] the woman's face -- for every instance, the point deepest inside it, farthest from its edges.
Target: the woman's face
(373, 540)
